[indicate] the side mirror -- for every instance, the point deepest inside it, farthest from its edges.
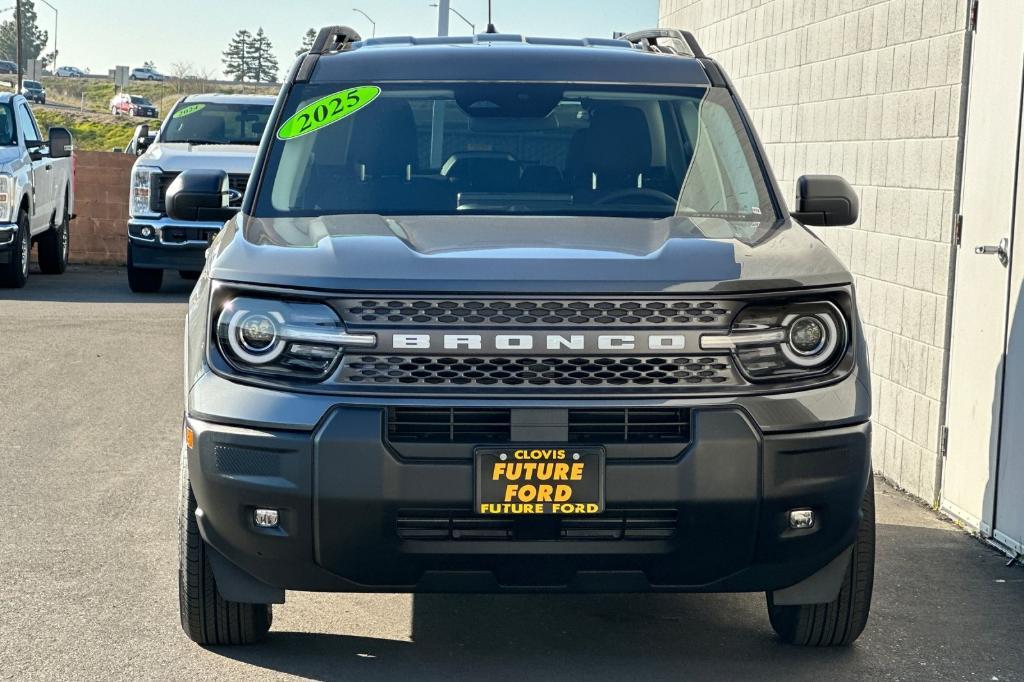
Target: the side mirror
(200, 195)
(142, 141)
(61, 144)
(35, 151)
(825, 200)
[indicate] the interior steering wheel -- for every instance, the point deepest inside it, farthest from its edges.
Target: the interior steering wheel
(637, 193)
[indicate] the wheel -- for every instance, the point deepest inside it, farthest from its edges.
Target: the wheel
(55, 245)
(206, 617)
(113, 111)
(15, 273)
(143, 280)
(838, 623)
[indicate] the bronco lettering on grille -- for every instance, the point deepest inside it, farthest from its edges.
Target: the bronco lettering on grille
(500, 342)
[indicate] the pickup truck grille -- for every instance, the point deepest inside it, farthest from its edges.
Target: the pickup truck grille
(537, 372)
(158, 197)
(516, 312)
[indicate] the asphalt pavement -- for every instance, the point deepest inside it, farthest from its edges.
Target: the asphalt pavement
(90, 413)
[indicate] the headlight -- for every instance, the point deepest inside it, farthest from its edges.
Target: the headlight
(295, 339)
(140, 205)
(786, 341)
(7, 199)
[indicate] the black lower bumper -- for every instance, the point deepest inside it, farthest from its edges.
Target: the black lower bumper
(357, 516)
(156, 256)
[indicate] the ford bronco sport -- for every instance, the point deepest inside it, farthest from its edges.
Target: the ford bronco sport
(506, 314)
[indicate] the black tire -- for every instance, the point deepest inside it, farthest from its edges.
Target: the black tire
(143, 280)
(841, 622)
(206, 617)
(55, 245)
(14, 274)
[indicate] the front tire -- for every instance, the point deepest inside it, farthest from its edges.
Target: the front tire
(206, 617)
(840, 622)
(14, 274)
(143, 280)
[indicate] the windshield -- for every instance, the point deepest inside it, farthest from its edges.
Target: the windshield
(32, 85)
(6, 126)
(141, 100)
(517, 148)
(206, 123)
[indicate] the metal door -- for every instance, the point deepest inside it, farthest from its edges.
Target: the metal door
(979, 325)
(1009, 501)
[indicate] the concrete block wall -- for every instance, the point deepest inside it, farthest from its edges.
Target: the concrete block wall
(99, 232)
(871, 90)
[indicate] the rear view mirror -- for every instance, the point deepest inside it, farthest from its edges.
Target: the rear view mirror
(200, 195)
(61, 144)
(825, 200)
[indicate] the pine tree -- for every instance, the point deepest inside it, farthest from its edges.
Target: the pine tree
(238, 57)
(263, 66)
(33, 39)
(307, 42)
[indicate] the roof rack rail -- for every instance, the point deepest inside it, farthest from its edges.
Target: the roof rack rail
(334, 39)
(666, 41)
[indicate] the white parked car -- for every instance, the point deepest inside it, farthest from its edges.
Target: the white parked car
(69, 72)
(145, 74)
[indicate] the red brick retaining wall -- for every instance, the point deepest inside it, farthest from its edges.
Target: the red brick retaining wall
(99, 233)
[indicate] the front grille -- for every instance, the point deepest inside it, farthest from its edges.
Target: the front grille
(181, 235)
(158, 202)
(449, 425)
(443, 525)
(536, 372)
(629, 425)
(535, 312)
(605, 426)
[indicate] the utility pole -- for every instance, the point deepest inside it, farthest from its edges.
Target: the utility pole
(17, 28)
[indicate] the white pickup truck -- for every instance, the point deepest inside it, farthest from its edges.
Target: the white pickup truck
(37, 193)
(213, 132)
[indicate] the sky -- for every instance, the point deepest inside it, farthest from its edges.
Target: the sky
(101, 34)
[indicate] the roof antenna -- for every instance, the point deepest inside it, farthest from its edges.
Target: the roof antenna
(490, 17)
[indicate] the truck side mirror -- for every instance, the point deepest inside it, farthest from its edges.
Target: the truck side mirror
(61, 144)
(142, 141)
(200, 194)
(825, 200)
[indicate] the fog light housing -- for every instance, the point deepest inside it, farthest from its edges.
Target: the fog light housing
(266, 518)
(801, 519)
(147, 232)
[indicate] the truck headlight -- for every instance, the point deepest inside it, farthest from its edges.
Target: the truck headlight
(7, 198)
(143, 181)
(292, 339)
(785, 341)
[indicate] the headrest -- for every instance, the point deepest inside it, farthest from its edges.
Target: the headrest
(384, 138)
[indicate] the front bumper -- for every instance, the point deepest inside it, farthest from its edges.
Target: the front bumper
(8, 232)
(344, 495)
(173, 245)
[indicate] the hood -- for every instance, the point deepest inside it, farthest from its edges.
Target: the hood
(10, 154)
(180, 156)
(522, 254)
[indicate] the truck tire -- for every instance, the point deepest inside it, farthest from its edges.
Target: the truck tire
(837, 623)
(206, 617)
(14, 274)
(55, 245)
(143, 280)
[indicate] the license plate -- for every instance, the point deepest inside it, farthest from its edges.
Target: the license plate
(532, 480)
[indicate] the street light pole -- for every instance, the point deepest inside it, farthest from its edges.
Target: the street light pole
(373, 24)
(17, 28)
(437, 120)
(56, 17)
(460, 15)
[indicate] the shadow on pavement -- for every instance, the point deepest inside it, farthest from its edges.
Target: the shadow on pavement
(936, 590)
(84, 284)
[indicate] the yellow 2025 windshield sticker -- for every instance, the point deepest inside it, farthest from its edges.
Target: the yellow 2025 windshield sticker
(188, 111)
(327, 110)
